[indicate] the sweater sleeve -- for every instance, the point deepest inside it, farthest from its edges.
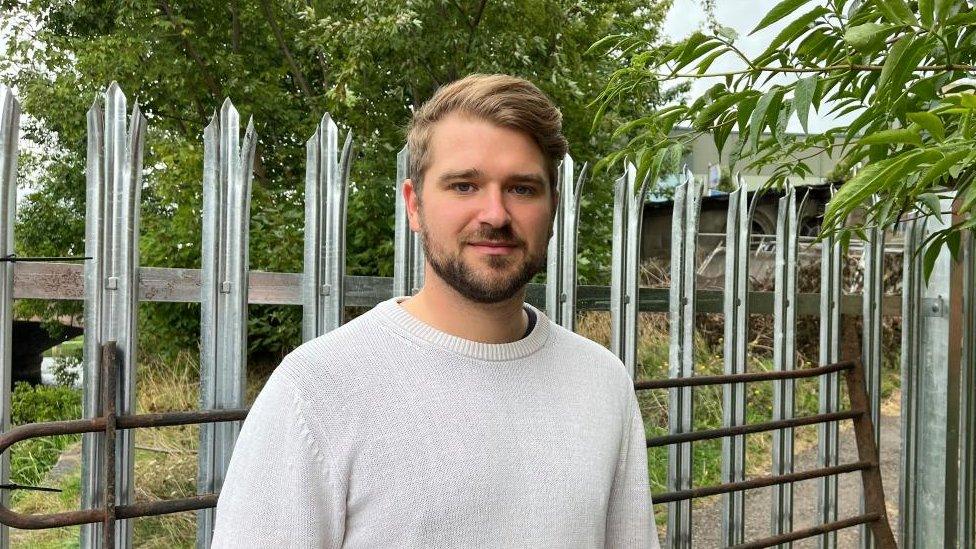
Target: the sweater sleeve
(630, 520)
(278, 491)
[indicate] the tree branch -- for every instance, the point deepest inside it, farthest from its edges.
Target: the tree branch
(235, 37)
(829, 68)
(215, 88)
(296, 72)
(474, 25)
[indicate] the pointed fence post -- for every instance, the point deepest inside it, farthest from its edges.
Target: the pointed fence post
(628, 209)
(408, 251)
(936, 350)
(684, 238)
(562, 259)
(829, 391)
(9, 135)
(114, 180)
(873, 259)
(227, 173)
(911, 360)
(736, 316)
(326, 191)
(784, 357)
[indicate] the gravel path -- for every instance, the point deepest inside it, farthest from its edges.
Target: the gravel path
(707, 521)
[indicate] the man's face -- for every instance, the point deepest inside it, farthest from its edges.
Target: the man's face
(487, 208)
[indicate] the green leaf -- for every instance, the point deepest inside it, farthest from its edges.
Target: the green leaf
(727, 32)
(648, 161)
(713, 110)
(803, 98)
(867, 38)
(954, 242)
(891, 137)
(960, 19)
(722, 132)
(758, 117)
(778, 120)
(603, 42)
(644, 121)
(903, 59)
(932, 254)
(705, 63)
(897, 11)
(930, 122)
(967, 100)
(796, 28)
(691, 43)
(932, 204)
(867, 182)
(940, 168)
(897, 50)
(778, 12)
(926, 9)
(744, 111)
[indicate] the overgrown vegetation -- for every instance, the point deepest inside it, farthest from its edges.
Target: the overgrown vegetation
(30, 460)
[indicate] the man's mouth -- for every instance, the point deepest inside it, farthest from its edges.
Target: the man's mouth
(494, 247)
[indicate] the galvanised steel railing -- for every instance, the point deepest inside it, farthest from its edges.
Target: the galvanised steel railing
(112, 284)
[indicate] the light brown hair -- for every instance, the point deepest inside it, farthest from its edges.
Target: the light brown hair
(506, 101)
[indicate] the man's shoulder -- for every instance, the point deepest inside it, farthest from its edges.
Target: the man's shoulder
(581, 343)
(332, 356)
(594, 356)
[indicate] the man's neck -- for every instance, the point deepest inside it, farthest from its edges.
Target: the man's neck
(440, 306)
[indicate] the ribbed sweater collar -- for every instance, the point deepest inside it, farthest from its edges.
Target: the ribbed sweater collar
(403, 320)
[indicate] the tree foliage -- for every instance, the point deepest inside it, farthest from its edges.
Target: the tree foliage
(367, 62)
(903, 68)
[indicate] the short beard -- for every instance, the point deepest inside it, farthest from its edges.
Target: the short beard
(457, 275)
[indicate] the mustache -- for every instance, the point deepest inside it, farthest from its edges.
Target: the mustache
(503, 234)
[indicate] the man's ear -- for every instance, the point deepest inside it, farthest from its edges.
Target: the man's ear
(412, 199)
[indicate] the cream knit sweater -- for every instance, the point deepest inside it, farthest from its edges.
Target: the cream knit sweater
(389, 433)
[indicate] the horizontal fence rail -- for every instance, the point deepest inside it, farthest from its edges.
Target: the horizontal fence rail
(62, 281)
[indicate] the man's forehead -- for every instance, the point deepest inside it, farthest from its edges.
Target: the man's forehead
(459, 146)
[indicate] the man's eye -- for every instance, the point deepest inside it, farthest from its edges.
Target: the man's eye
(463, 187)
(524, 190)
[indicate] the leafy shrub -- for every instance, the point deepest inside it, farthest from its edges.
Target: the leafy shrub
(30, 460)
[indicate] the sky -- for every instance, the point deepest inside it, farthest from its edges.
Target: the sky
(688, 16)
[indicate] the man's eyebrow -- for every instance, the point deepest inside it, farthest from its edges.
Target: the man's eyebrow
(470, 173)
(528, 178)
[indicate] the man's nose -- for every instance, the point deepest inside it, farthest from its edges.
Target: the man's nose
(493, 210)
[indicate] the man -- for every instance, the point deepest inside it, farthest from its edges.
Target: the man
(461, 416)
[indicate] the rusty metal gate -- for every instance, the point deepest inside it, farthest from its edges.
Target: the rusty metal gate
(108, 423)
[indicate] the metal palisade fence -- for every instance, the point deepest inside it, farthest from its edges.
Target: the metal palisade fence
(938, 351)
